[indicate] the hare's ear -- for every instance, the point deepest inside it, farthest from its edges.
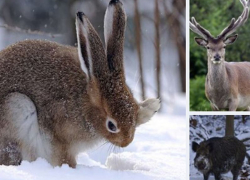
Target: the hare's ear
(114, 29)
(90, 48)
(147, 109)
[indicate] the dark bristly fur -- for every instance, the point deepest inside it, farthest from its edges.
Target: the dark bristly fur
(56, 100)
(223, 154)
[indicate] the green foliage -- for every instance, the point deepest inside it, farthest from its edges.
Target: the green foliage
(198, 100)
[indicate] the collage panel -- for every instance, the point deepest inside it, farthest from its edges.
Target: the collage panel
(219, 147)
(219, 55)
(93, 90)
(219, 77)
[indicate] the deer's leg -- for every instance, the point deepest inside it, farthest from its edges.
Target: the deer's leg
(214, 108)
(232, 105)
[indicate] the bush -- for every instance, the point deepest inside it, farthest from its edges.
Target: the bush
(198, 100)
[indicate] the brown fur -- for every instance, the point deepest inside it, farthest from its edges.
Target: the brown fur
(56, 85)
(226, 83)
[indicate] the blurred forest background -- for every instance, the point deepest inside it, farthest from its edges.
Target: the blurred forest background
(154, 46)
(214, 16)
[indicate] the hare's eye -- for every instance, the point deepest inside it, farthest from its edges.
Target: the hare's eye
(111, 126)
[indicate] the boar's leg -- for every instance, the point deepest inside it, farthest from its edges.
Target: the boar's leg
(235, 172)
(217, 176)
(206, 175)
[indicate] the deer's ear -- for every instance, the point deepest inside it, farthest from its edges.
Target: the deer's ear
(201, 42)
(231, 39)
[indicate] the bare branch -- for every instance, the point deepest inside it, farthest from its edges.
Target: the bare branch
(157, 47)
(137, 21)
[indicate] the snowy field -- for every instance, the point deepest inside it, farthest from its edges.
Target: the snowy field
(205, 127)
(210, 178)
(157, 152)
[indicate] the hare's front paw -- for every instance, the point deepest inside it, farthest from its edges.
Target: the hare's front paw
(147, 109)
(152, 105)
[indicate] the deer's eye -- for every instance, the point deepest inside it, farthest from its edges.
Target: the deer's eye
(208, 47)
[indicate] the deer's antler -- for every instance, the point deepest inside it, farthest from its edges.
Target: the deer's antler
(235, 24)
(231, 28)
(198, 29)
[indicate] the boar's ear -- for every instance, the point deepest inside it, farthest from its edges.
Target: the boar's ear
(210, 147)
(195, 146)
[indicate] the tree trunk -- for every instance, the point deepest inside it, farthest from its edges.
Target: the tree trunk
(157, 48)
(229, 125)
(137, 21)
(174, 24)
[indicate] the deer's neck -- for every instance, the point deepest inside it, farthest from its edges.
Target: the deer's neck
(217, 75)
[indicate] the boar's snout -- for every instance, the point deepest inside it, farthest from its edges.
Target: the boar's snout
(201, 165)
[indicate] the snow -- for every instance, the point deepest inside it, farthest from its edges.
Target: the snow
(158, 152)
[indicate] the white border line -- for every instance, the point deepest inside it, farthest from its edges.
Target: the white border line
(187, 89)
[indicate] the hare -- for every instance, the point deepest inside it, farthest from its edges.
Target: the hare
(57, 101)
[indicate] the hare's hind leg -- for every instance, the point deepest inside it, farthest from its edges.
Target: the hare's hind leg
(20, 114)
(10, 153)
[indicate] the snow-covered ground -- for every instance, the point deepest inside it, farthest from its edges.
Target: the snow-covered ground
(157, 152)
(210, 178)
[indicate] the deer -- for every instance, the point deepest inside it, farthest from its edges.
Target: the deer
(227, 85)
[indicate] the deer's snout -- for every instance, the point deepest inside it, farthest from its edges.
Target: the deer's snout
(217, 57)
